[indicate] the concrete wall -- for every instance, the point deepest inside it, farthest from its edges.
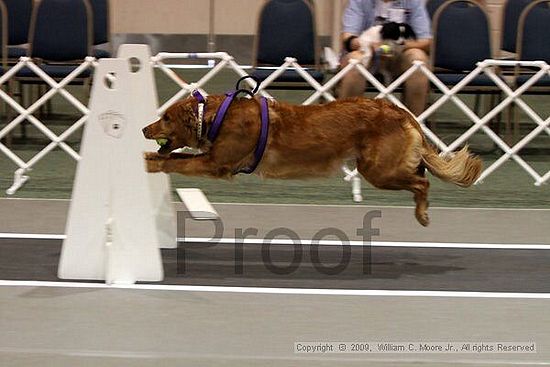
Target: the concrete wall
(232, 17)
(192, 16)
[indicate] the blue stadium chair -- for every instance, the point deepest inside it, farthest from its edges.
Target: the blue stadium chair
(4, 64)
(100, 11)
(510, 18)
(452, 57)
(3, 36)
(532, 44)
(532, 39)
(60, 37)
(286, 28)
(433, 5)
(455, 22)
(19, 19)
(462, 38)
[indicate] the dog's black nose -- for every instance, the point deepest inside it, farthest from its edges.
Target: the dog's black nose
(144, 130)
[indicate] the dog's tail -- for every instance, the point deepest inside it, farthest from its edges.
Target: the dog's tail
(461, 168)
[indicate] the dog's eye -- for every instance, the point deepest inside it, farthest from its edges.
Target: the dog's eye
(166, 118)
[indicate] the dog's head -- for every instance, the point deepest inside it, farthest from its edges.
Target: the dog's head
(397, 32)
(177, 128)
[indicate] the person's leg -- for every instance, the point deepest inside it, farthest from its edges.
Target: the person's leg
(417, 85)
(353, 83)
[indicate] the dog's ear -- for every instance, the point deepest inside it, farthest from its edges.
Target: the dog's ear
(185, 112)
(390, 31)
(408, 32)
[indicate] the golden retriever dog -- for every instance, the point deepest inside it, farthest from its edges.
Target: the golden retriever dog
(385, 142)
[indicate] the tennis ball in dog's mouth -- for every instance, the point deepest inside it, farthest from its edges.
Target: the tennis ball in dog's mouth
(162, 141)
(386, 49)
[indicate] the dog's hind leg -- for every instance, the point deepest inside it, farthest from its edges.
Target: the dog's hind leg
(413, 182)
(420, 191)
(389, 166)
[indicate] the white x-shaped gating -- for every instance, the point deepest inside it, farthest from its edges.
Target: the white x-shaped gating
(513, 96)
(322, 90)
(487, 67)
(478, 123)
(27, 114)
(225, 60)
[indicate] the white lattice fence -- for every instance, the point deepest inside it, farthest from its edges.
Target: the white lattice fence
(20, 176)
(486, 67)
(226, 61)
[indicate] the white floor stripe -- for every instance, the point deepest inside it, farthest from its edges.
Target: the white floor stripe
(287, 291)
(328, 205)
(279, 241)
(381, 206)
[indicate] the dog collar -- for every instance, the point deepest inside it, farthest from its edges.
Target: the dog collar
(200, 119)
(200, 112)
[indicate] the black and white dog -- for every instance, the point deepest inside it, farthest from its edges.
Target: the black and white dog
(391, 33)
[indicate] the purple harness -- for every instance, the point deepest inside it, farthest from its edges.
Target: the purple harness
(220, 115)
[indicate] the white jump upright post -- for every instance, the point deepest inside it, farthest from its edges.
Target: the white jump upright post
(111, 229)
(144, 92)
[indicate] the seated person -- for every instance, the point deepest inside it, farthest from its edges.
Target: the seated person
(361, 15)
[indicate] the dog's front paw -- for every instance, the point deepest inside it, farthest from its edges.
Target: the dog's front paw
(152, 156)
(154, 165)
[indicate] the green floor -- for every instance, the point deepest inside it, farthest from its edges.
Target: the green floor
(509, 186)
